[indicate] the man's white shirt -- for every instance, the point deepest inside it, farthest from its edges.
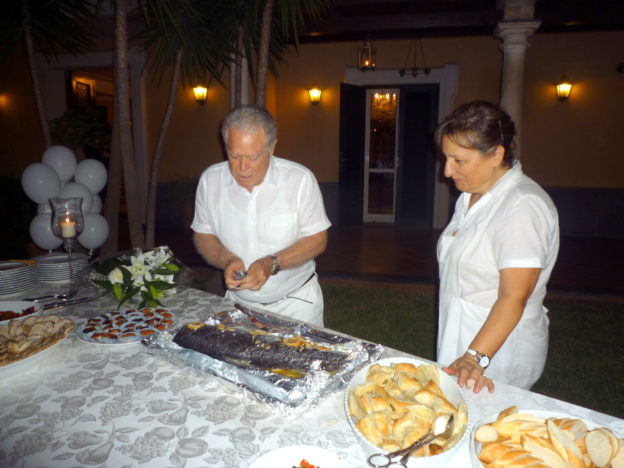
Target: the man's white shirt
(284, 208)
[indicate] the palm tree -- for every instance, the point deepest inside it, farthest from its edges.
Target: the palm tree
(282, 22)
(47, 27)
(265, 31)
(197, 38)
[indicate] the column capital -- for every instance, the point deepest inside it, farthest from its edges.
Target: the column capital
(515, 33)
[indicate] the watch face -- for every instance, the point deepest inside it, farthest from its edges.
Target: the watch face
(484, 361)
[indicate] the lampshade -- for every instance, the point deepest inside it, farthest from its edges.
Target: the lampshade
(366, 56)
(200, 93)
(315, 94)
(563, 88)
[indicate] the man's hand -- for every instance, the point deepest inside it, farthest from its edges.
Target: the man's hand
(257, 274)
(231, 282)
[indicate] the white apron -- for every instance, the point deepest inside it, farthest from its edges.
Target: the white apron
(520, 360)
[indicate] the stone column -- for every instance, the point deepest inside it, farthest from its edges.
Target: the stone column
(514, 35)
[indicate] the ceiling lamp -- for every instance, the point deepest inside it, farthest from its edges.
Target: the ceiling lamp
(315, 94)
(563, 88)
(366, 56)
(200, 93)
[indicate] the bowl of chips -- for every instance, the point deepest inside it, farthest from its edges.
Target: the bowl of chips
(392, 403)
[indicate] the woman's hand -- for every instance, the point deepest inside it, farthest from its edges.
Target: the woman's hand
(469, 374)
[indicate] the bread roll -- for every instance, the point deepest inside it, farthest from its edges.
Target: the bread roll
(486, 433)
(599, 447)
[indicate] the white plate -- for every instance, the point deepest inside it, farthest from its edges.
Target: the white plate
(19, 306)
(287, 457)
(87, 337)
(452, 392)
(29, 363)
(58, 259)
(475, 447)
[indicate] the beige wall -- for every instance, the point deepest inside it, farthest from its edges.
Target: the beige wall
(576, 143)
(572, 144)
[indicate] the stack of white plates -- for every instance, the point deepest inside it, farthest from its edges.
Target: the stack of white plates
(54, 267)
(17, 276)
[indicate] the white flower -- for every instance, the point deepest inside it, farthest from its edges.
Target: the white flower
(137, 268)
(115, 276)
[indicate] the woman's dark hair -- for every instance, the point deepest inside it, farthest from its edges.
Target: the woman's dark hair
(482, 126)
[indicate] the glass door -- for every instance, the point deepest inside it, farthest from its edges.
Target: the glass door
(380, 155)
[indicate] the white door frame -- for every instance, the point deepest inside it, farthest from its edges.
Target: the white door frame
(383, 218)
(447, 78)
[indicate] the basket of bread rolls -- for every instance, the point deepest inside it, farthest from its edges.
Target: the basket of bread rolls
(392, 403)
(543, 439)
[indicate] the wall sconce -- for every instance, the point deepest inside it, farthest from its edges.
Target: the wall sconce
(200, 93)
(366, 56)
(563, 88)
(315, 94)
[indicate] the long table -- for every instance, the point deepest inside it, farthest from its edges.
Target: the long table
(119, 406)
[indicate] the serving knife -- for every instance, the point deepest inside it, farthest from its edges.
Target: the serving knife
(55, 305)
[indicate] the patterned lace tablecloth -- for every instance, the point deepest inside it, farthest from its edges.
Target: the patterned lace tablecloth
(119, 406)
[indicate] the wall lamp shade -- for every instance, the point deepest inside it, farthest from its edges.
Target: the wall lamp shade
(315, 94)
(563, 88)
(200, 93)
(366, 56)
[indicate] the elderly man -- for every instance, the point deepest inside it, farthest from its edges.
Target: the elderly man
(261, 219)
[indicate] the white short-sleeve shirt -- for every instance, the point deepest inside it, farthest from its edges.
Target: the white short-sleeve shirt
(513, 225)
(284, 208)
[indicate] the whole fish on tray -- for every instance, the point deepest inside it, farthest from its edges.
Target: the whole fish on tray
(291, 356)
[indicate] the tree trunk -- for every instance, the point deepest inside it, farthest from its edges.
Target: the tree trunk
(113, 197)
(164, 127)
(263, 53)
(122, 114)
(34, 73)
(238, 66)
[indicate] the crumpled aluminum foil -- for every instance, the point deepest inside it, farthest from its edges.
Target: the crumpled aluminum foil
(289, 395)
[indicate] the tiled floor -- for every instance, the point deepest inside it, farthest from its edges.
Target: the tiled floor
(376, 252)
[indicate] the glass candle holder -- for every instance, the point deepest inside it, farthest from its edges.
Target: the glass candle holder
(67, 223)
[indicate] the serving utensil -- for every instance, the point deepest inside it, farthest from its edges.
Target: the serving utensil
(81, 300)
(60, 297)
(442, 426)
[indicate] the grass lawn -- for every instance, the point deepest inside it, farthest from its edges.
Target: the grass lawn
(585, 363)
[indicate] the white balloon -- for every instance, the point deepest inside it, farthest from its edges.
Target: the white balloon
(95, 231)
(92, 173)
(40, 182)
(62, 160)
(75, 189)
(96, 206)
(41, 232)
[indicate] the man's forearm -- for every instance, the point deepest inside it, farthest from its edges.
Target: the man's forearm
(212, 250)
(303, 250)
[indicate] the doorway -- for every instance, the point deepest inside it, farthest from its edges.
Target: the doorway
(398, 167)
(393, 179)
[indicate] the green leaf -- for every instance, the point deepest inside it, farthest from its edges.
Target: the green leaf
(161, 285)
(172, 266)
(118, 291)
(105, 284)
(162, 271)
(127, 276)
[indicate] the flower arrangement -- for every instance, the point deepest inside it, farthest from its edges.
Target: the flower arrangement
(150, 274)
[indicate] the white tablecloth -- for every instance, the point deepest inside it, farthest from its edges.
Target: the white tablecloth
(119, 406)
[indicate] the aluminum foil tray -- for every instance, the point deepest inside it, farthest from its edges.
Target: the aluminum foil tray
(301, 391)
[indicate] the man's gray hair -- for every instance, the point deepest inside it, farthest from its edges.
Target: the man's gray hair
(249, 119)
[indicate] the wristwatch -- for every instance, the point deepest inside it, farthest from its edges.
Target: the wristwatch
(276, 266)
(482, 359)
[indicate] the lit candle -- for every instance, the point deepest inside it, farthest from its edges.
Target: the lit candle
(68, 228)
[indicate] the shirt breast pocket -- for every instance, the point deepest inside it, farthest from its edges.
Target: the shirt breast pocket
(279, 231)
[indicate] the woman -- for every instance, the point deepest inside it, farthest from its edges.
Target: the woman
(495, 256)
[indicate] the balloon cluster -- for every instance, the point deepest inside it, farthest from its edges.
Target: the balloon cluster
(52, 178)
